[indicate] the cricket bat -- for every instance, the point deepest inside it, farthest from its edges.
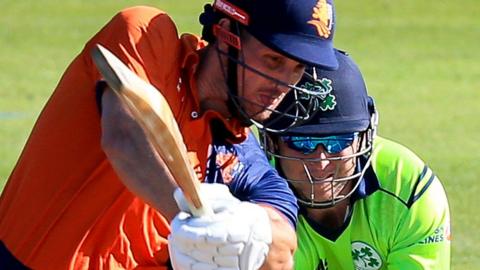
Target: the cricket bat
(152, 111)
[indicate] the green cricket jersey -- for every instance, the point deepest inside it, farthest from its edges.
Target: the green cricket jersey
(399, 220)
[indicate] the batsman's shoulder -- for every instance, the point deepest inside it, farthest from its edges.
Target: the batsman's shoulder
(139, 12)
(143, 17)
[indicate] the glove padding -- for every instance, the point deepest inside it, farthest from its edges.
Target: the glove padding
(236, 236)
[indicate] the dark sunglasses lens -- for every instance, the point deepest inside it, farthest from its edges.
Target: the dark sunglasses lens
(301, 145)
(336, 146)
(331, 144)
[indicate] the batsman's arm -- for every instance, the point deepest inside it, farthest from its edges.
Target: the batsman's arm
(260, 183)
(133, 157)
(284, 242)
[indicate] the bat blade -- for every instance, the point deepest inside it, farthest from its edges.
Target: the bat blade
(151, 110)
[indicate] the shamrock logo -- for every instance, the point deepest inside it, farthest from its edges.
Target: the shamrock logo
(365, 257)
(324, 100)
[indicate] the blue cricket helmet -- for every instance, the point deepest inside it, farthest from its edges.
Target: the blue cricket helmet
(344, 107)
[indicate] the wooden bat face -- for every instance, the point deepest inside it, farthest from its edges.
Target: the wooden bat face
(153, 113)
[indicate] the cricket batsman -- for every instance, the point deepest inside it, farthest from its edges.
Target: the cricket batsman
(89, 191)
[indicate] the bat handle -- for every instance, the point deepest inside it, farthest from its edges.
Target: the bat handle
(198, 208)
(202, 211)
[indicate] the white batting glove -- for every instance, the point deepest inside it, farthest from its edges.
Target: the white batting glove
(237, 236)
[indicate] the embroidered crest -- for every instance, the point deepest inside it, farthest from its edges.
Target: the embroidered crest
(365, 257)
(326, 101)
(322, 18)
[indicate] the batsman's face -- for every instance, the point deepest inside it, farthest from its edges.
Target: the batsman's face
(323, 169)
(260, 94)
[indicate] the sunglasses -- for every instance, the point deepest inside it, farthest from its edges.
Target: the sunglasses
(332, 144)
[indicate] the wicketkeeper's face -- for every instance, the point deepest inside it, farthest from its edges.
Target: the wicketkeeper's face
(260, 93)
(317, 174)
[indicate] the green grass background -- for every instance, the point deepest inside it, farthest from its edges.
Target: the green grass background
(420, 60)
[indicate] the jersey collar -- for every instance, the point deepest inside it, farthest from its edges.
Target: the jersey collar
(233, 130)
(368, 183)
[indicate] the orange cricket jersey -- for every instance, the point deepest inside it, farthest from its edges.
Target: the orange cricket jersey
(63, 206)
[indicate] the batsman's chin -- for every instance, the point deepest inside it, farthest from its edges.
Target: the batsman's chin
(259, 113)
(262, 116)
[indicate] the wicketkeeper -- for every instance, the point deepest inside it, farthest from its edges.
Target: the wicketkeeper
(366, 202)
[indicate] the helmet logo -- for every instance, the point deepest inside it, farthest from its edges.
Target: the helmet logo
(322, 18)
(326, 100)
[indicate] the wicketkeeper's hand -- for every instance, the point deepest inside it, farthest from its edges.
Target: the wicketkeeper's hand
(237, 236)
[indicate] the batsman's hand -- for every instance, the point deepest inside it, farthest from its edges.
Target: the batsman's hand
(236, 236)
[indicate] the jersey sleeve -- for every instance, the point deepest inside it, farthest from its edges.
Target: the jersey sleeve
(423, 238)
(146, 40)
(411, 214)
(403, 222)
(260, 183)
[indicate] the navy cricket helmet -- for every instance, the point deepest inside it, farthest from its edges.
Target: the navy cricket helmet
(346, 114)
(302, 30)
